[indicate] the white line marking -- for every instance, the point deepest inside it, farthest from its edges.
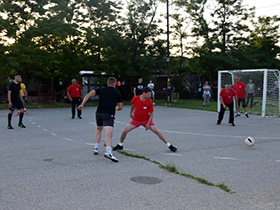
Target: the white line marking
(33, 123)
(121, 122)
(171, 154)
(39, 126)
(278, 161)
(53, 134)
(91, 144)
(225, 158)
(207, 135)
(67, 139)
(133, 150)
(45, 130)
(93, 123)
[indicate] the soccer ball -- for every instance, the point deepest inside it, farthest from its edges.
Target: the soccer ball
(249, 141)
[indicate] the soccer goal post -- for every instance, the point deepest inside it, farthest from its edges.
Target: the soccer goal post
(265, 100)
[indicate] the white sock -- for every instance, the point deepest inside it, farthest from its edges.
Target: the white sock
(96, 145)
(238, 113)
(168, 144)
(245, 112)
(121, 144)
(109, 150)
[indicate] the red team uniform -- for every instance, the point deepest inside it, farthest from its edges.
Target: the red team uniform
(142, 111)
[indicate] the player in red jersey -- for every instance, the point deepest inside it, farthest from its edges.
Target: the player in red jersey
(242, 94)
(75, 95)
(143, 109)
(226, 98)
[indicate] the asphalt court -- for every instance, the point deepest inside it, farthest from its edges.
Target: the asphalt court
(50, 165)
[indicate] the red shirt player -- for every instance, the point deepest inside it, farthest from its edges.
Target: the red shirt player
(75, 95)
(241, 91)
(227, 95)
(142, 112)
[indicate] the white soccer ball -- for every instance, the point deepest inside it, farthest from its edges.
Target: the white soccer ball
(250, 141)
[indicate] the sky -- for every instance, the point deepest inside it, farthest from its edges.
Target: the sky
(264, 7)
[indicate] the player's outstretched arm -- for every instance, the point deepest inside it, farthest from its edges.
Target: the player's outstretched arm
(9, 98)
(119, 107)
(236, 102)
(222, 102)
(131, 110)
(90, 94)
(147, 127)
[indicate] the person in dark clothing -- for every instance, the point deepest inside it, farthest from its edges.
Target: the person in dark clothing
(109, 97)
(138, 87)
(215, 90)
(169, 90)
(15, 101)
(199, 90)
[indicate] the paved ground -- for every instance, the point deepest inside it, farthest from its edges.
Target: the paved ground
(50, 165)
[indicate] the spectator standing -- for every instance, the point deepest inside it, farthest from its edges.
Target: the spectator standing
(138, 87)
(199, 90)
(214, 90)
(206, 93)
(169, 90)
(251, 92)
(151, 85)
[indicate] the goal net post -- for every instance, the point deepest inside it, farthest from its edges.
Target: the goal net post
(266, 95)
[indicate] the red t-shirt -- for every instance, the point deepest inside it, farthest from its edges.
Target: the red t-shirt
(240, 89)
(227, 96)
(142, 108)
(74, 91)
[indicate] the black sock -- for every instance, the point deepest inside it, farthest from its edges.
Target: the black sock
(20, 118)
(9, 118)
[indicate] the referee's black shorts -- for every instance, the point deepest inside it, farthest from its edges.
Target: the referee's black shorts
(103, 119)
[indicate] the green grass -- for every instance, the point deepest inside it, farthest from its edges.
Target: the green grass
(272, 107)
(172, 169)
(190, 104)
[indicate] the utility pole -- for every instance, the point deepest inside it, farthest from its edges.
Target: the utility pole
(168, 53)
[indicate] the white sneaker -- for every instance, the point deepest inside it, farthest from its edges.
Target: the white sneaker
(95, 151)
(111, 157)
(154, 103)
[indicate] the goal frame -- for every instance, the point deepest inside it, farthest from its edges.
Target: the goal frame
(251, 71)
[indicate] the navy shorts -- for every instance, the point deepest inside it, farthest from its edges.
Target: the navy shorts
(103, 119)
(17, 104)
(242, 101)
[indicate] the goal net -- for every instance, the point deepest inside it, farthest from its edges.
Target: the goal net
(266, 95)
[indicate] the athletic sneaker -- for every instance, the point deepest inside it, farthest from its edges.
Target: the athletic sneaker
(218, 123)
(26, 112)
(10, 127)
(237, 115)
(247, 115)
(118, 147)
(232, 124)
(18, 114)
(111, 157)
(172, 148)
(95, 151)
(21, 125)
